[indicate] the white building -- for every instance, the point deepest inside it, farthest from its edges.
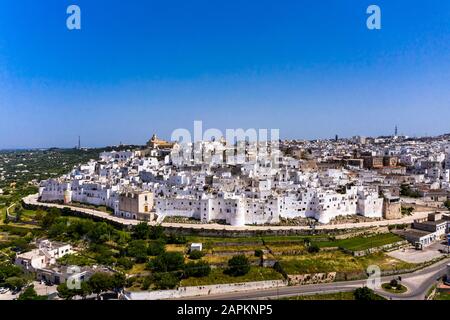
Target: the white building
(46, 254)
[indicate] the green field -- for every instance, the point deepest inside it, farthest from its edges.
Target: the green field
(337, 261)
(361, 243)
(442, 296)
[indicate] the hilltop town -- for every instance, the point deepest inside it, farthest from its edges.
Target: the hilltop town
(296, 182)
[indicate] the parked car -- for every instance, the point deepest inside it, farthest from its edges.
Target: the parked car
(3, 290)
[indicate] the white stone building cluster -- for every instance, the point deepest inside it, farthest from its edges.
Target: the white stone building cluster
(254, 191)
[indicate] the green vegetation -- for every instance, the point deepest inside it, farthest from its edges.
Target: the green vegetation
(196, 254)
(197, 269)
(258, 253)
(406, 191)
(313, 248)
(407, 211)
(442, 296)
(98, 283)
(337, 261)
(394, 287)
(238, 266)
(447, 204)
(167, 262)
(366, 294)
(361, 243)
(218, 276)
(155, 260)
(30, 294)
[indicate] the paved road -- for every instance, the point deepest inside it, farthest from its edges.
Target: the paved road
(33, 200)
(418, 284)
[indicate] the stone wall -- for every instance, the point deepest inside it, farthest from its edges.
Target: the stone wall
(365, 232)
(377, 249)
(392, 211)
(182, 292)
(311, 278)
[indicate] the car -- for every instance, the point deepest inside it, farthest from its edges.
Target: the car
(3, 290)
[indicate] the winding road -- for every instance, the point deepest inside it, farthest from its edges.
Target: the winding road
(418, 284)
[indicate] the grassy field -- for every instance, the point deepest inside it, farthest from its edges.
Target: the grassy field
(338, 261)
(138, 268)
(442, 296)
(361, 243)
(181, 248)
(218, 277)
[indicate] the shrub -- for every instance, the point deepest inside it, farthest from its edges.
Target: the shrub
(156, 248)
(393, 283)
(314, 248)
(196, 254)
(125, 263)
(138, 250)
(447, 204)
(365, 294)
(197, 269)
(165, 280)
(258, 253)
(278, 268)
(168, 261)
(30, 294)
(146, 283)
(173, 239)
(238, 266)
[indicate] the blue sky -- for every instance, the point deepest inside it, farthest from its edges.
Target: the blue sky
(310, 68)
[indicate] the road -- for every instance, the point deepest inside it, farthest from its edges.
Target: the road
(418, 284)
(33, 200)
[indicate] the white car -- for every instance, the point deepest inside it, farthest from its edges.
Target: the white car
(3, 290)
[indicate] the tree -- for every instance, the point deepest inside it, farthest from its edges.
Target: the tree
(174, 239)
(85, 289)
(165, 280)
(101, 233)
(141, 231)
(307, 242)
(126, 263)
(393, 283)
(30, 294)
(100, 282)
(196, 254)
(138, 250)
(168, 261)
(68, 294)
(197, 269)
(51, 216)
(365, 294)
(8, 270)
(447, 204)
(15, 283)
(118, 281)
(238, 265)
(406, 191)
(156, 232)
(313, 248)
(259, 253)
(65, 293)
(156, 248)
